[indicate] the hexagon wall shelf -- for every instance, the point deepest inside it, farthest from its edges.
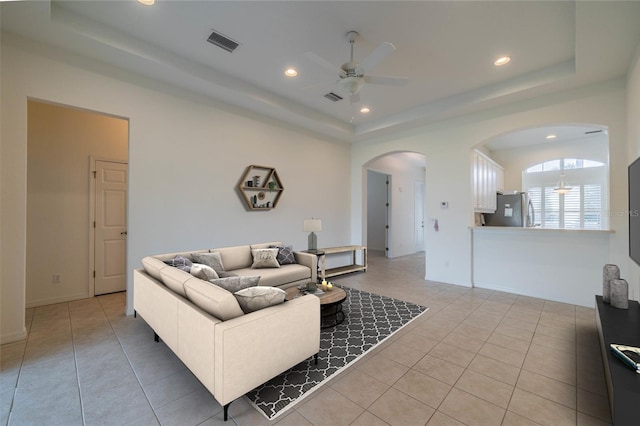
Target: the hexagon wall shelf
(260, 187)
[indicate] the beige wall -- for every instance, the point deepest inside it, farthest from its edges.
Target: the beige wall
(186, 156)
(60, 142)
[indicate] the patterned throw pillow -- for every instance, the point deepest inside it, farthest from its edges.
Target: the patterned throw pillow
(213, 260)
(234, 284)
(285, 255)
(265, 258)
(204, 272)
(256, 298)
(180, 262)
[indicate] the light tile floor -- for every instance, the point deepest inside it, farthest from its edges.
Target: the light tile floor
(477, 357)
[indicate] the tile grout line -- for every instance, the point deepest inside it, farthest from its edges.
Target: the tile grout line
(24, 351)
(128, 359)
(75, 362)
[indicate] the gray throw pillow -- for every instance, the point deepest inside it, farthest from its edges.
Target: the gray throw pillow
(285, 255)
(256, 298)
(234, 284)
(265, 258)
(213, 260)
(204, 272)
(180, 262)
(226, 274)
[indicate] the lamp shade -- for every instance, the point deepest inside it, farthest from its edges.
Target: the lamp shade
(312, 225)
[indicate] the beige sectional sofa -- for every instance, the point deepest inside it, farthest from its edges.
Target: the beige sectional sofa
(229, 351)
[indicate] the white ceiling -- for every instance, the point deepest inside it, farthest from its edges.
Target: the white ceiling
(445, 48)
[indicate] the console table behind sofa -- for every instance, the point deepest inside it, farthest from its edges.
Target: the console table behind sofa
(353, 267)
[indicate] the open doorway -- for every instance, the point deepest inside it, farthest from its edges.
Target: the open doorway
(62, 143)
(395, 203)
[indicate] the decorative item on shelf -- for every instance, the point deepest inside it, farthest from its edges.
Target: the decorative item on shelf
(312, 226)
(562, 187)
(609, 272)
(249, 184)
(272, 185)
(256, 181)
(261, 195)
(619, 294)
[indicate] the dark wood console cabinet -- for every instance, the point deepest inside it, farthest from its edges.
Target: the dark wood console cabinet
(620, 326)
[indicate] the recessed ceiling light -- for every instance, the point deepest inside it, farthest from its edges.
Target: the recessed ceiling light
(364, 110)
(147, 2)
(291, 72)
(551, 137)
(504, 60)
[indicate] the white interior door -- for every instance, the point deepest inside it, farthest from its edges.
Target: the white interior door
(110, 227)
(419, 216)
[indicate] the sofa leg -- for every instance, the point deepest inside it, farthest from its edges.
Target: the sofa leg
(156, 337)
(226, 411)
(315, 359)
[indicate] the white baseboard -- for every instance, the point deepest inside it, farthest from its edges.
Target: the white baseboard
(54, 300)
(13, 337)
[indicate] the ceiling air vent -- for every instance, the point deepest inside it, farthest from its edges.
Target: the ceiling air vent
(222, 41)
(333, 97)
(591, 132)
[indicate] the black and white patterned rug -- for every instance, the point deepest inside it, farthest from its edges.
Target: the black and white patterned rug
(370, 319)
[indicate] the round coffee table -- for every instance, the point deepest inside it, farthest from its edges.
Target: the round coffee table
(331, 313)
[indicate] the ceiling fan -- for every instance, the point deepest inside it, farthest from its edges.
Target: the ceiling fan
(353, 75)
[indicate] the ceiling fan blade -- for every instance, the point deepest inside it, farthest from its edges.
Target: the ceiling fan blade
(324, 63)
(386, 80)
(379, 53)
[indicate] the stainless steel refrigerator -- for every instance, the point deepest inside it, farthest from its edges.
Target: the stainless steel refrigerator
(512, 210)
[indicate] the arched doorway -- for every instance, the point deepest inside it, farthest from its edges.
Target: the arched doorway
(393, 213)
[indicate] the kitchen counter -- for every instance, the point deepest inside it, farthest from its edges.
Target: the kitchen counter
(564, 265)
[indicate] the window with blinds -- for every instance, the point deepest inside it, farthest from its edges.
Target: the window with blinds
(580, 208)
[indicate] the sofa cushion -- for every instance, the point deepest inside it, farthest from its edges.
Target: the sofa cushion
(204, 272)
(265, 258)
(234, 284)
(285, 255)
(180, 262)
(213, 260)
(254, 298)
(212, 299)
(278, 276)
(235, 257)
(153, 266)
(175, 278)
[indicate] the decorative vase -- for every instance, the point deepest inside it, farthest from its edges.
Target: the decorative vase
(609, 272)
(619, 295)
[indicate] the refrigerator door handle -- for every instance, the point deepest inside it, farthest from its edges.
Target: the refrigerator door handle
(531, 217)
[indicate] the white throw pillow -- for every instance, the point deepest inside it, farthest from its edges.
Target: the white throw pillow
(255, 298)
(204, 272)
(265, 258)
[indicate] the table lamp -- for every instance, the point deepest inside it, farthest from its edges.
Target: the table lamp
(312, 226)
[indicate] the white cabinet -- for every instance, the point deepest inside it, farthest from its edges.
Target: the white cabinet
(488, 178)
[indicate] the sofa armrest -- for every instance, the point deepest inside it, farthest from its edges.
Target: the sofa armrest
(309, 260)
(254, 348)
